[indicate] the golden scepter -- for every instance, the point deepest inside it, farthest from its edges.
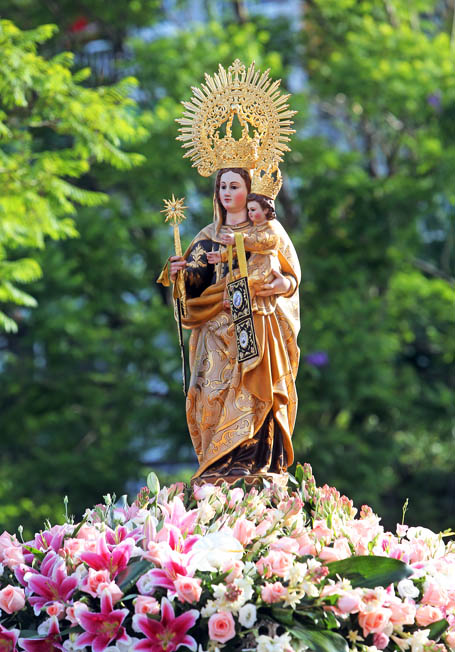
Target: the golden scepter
(174, 214)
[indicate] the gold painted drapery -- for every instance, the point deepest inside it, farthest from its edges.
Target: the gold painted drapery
(231, 406)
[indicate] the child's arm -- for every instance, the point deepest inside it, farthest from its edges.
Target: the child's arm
(261, 241)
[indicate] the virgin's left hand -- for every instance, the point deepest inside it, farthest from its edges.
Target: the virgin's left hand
(279, 285)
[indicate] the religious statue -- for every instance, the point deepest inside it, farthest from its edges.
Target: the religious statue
(240, 408)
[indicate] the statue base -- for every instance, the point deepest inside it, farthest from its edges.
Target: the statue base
(250, 480)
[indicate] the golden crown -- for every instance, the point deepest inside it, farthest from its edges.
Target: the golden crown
(267, 182)
(255, 100)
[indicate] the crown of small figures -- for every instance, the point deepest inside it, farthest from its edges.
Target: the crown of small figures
(267, 182)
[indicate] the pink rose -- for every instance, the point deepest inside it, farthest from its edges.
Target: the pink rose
(203, 491)
(236, 495)
(374, 621)
(154, 553)
(12, 599)
(145, 604)
(286, 544)
(428, 614)
(321, 531)
(450, 639)
(188, 588)
(275, 592)
(340, 550)
(113, 589)
(73, 547)
(244, 531)
(13, 556)
(275, 563)
(380, 640)
(6, 541)
(435, 595)
(306, 545)
(55, 609)
(72, 612)
(234, 568)
(263, 526)
(349, 603)
(221, 627)
(403, 613)
(93, 581)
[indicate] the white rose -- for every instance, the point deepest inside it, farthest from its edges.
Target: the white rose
(247, 615)
(407, 589)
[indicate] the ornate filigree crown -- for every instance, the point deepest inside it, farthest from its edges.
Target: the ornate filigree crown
(256, 101)
(267, 182)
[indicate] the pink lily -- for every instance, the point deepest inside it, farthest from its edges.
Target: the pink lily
(103, 558)
(173, 565)
(168, 634)
(175, 513)
(173, 537)
(104, 627)
(51, 643)
(52, 584)
(8, 639)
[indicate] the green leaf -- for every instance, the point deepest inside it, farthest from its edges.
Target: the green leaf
(128, 578)
(299, 473)
(437, 629)
(153, 483)
(319, 641)
(369, 571)
(284, 616)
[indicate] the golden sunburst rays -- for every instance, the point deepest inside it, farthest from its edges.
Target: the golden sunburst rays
(258, 98)
(174, 210)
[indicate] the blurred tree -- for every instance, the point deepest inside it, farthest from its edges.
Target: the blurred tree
(52, 129)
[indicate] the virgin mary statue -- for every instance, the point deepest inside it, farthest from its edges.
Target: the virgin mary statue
(240, 415)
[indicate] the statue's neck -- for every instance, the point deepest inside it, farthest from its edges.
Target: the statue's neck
(232, 219)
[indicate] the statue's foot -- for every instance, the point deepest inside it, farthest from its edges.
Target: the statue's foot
(239, 470)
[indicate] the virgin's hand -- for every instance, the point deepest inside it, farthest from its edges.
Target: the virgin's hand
(213, 257)
(279, 285)
(176, 264)
(227, 238)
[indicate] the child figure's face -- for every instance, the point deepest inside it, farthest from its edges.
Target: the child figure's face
(256, 213)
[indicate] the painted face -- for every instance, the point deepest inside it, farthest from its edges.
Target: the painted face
(233, 192)
(255, 212)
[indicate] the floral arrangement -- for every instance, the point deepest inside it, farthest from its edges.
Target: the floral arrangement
(222, 568)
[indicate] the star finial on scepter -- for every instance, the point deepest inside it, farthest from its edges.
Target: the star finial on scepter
(174, 210)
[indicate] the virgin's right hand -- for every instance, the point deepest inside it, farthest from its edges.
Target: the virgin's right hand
(176, 264)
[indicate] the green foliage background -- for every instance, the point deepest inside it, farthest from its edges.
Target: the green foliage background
(90, 390)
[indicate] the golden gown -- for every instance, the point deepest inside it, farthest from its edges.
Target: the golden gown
(241, 415)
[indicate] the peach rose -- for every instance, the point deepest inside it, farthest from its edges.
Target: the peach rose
(154, 553)
(374, 621)
(188, 588)
(12, 598)
(428, 614)
(286, 544)
(403, 613)
(93, 581)
(145, 604)
(113, 589)
(55, 609)
(72, 612)
(321, 531)
(6, 541)
(244, 531)
(340, 550)
(73, 547)
(263, 526)
(306, 545)
(221, 627)
(234, 568)
(275, 563)
(275, 592)
(450, 639)
(435, 595)
(13, 556)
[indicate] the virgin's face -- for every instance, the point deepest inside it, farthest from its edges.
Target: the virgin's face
(233, 192)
